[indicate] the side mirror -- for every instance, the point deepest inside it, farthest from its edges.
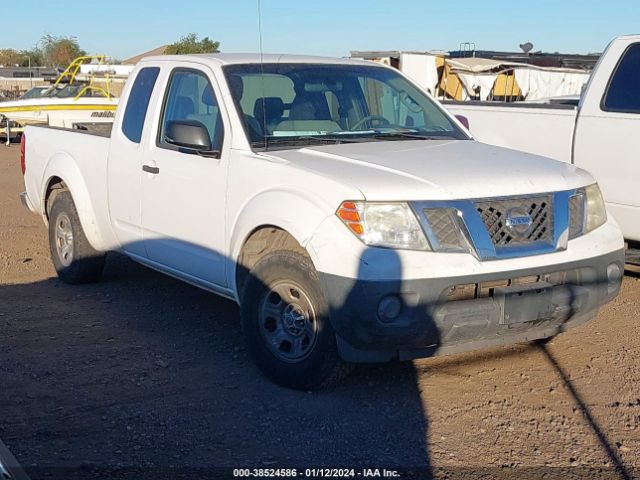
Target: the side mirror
(463, 120)
(189, 134)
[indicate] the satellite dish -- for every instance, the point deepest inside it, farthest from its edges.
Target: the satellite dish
(526, 47)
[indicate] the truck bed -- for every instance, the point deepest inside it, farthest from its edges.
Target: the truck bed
(100, 129)
(79, 156)
(540, 128)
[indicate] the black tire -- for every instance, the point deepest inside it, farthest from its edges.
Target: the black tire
(321, 366)
(75, 261)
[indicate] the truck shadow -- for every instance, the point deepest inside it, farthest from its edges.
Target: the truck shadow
(143, 376)
(599, 433)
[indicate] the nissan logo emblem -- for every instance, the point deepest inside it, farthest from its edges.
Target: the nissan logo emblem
(519, 220)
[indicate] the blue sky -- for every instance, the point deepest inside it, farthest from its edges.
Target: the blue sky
(327, 27)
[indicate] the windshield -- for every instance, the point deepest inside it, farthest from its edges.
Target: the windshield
(65, 91)
(35, 92)
(297, 104)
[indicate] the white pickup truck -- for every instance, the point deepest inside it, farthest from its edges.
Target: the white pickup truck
(351, 217)
(598, 131)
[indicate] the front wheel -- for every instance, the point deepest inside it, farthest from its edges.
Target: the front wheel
(286, 323)
(74, 259)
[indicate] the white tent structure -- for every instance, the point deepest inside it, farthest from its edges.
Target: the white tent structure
(421, 67)
(535, 83)
(479, 76)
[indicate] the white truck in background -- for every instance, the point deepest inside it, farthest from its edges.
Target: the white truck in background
(351, 217)
(600, 131)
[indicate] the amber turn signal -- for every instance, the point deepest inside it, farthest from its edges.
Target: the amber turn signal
(348, 213)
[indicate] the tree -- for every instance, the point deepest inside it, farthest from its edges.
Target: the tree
(59, 51)
(10, 57)
(32, 57)
(190, 44)
(51, 51)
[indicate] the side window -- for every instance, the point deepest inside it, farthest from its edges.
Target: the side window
(191, 97)
(138, 102)
(623, 94)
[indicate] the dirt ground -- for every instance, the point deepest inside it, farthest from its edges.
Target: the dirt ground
(142, 376)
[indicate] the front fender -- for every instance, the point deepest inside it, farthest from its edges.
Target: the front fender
(63, 166)
(291, 209)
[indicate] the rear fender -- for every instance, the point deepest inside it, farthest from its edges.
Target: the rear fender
(63, 166)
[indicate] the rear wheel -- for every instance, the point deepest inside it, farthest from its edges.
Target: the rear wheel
(286, 323)
(74, 259)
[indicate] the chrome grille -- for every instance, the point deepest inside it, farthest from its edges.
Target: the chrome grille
(576, 215)
(444, 226)
(495, 213)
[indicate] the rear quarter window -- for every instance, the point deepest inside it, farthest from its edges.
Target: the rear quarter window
(138, 102)
(623, 92)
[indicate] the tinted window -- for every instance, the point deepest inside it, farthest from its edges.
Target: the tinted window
(623, 94)
(138, 103)
(190, 97)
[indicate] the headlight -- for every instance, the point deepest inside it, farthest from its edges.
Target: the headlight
(392, 225)
(596, 211)
(587, 211)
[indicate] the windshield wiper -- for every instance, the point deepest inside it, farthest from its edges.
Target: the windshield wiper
(410, 136)
(336, 139)
(303, 140)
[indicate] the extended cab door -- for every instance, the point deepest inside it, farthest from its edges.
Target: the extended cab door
(607, 138)
(129, 140)
(183, 194)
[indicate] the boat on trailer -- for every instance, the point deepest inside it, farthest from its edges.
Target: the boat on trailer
(71, 100)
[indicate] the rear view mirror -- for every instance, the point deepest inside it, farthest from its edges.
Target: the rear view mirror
(189, 134)
(410, 103)
(322, 87)
(463, 120)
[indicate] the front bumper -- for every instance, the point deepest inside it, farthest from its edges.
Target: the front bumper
(428, 323)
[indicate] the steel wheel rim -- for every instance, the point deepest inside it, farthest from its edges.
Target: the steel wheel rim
(64, 239)
(288, 322)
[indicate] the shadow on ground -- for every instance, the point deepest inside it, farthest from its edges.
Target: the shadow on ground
(142, 370)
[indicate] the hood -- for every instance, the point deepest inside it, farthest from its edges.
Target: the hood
(435, 169)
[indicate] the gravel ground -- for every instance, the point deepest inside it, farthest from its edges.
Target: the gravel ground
(142, 376)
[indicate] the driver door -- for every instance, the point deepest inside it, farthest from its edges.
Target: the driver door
(183, 206)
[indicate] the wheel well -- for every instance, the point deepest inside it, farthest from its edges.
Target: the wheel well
(56, 185)
(260, 242)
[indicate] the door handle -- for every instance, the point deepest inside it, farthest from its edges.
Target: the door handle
(150, 169)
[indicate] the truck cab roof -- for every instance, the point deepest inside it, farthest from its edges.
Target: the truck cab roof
(245, 58)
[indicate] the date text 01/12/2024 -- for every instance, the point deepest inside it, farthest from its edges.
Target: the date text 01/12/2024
(315, 473)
